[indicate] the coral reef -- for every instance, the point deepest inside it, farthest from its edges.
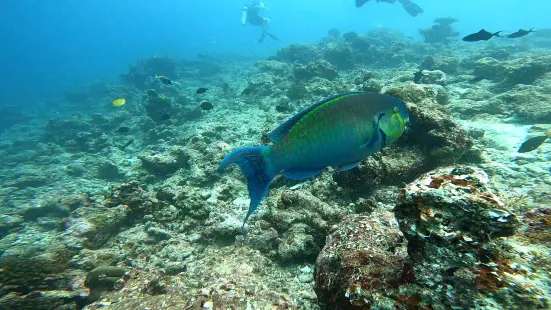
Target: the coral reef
(363, 263)
(122, 208)
(441, 31)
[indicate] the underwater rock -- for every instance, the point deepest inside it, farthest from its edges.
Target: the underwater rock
(339, 55)
(140, 74)
(108, 170)
(359, 43)
(392, 167)
(275, 67)
(132, 195)
(97, 225)
(453, 204)
(364, 261)
(297, 91)
(298, 53)
(29, 179)
(49, 208)
(524, 70)
(165, 163)
(155, 289)
(157, 106)
(297, 245)
(537, 225)
(50, 299)
(432, 129)
(530, 103)
(302, 221)
(223, 229)
(433, 77)
(9, 222)
(448, 64)
(440, 32)
(452, 220)
(320, 68)
(489, 68)
(33, 260)
(350, 36)
(265, 84)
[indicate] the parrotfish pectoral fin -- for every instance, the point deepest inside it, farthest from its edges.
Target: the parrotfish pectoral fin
(376, 132)
(253, 164)
(348, 166)
(297, 174)
(383, 138)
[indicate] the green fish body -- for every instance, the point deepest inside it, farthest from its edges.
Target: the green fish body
(339, 131)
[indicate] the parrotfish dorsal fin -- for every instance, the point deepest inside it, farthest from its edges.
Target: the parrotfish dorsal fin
(282, 130)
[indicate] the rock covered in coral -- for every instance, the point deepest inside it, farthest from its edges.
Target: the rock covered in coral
(530, 103)
(453, 220)
(275, 67)
(364, 261)
(139, 75)
(448, 64)
(33, 261)
(454, 204)
(440, 32)
(339, 55)
(97, 225)
(301, 221)
(433, 77)
(320, 68)
(523, 70)
(165, 163)
(132, 195)
(299, 53)
(157, 106)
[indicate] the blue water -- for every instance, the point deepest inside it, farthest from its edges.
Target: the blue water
(49, 47)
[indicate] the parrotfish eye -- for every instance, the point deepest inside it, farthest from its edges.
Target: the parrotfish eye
(395, 109)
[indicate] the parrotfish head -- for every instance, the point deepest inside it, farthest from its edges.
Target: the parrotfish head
(394, 121)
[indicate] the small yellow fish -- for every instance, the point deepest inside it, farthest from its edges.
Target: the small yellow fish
(119, 102)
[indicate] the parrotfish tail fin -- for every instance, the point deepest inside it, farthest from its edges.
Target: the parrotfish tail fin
(532, 30)
(497, 34)
(253, 163)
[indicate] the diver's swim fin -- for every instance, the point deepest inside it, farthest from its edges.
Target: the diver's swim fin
(412, 8)
(271, 36)
(359, 3)
(262, 37)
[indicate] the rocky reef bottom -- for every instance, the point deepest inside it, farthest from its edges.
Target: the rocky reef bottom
(123, 208)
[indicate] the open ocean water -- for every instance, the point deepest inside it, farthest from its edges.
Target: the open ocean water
(380, 154)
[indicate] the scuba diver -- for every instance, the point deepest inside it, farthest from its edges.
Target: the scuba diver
(412, 8)
(251, 15)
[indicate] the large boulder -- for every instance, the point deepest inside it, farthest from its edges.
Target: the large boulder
(364, 260)
(453, 221)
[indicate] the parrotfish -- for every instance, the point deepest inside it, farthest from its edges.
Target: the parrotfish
(533, 143)
(339, 131)
(163, 79)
